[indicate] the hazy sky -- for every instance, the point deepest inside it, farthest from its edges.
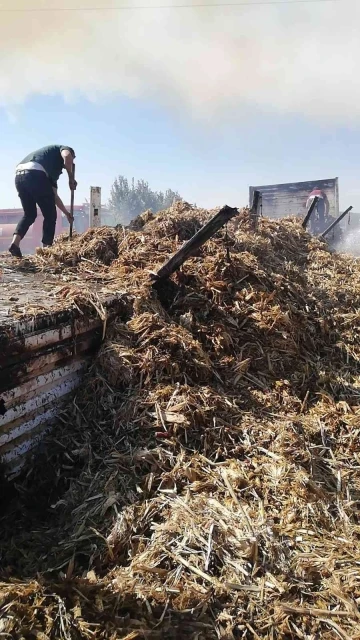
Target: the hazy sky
(203, 100)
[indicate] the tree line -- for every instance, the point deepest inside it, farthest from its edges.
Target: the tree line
(128, 200)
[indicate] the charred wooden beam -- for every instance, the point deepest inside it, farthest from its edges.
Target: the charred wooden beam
(254, 214)
(192, 245)
(309, 213)
(333, 224)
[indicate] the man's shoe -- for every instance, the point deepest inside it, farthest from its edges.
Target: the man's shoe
(15, 251)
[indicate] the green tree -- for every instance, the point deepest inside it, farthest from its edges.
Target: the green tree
(129, 200)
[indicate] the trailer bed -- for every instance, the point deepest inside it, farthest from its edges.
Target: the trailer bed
(46, 342)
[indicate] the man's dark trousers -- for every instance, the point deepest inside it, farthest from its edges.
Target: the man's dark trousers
(34, 188)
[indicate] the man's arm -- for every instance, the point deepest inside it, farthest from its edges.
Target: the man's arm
(60, 205)
(68, 164)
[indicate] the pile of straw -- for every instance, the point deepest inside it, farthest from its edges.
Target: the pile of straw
(205, 481)
(95, 245)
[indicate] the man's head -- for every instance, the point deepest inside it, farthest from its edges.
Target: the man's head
(72, 152)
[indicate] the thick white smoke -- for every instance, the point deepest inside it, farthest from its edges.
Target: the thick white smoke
(294, 59)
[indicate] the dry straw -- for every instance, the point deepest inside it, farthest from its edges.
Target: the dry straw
(204, 483)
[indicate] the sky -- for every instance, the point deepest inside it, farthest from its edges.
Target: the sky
(204, 100)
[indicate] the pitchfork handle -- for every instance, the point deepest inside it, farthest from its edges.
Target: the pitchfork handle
(72, 203)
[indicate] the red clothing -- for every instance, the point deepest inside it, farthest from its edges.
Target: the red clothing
(323, 203)
(317, 192)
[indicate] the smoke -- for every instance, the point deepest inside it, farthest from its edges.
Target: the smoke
(299, 59)
(350, 244)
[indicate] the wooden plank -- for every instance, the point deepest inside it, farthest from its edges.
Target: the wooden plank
(333, 224)
(191, 246)
(309, 213)
(254, 214)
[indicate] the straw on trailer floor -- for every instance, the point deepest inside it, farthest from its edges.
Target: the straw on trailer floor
(205, 481)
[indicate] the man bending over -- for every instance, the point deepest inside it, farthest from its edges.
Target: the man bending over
(36, 183)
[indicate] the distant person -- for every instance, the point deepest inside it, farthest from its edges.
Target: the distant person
(322, 209)
(36, 183)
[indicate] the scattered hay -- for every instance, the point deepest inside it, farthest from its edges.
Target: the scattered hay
(140, 221)
(96, 245)
(205, 482)
(175, 225)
